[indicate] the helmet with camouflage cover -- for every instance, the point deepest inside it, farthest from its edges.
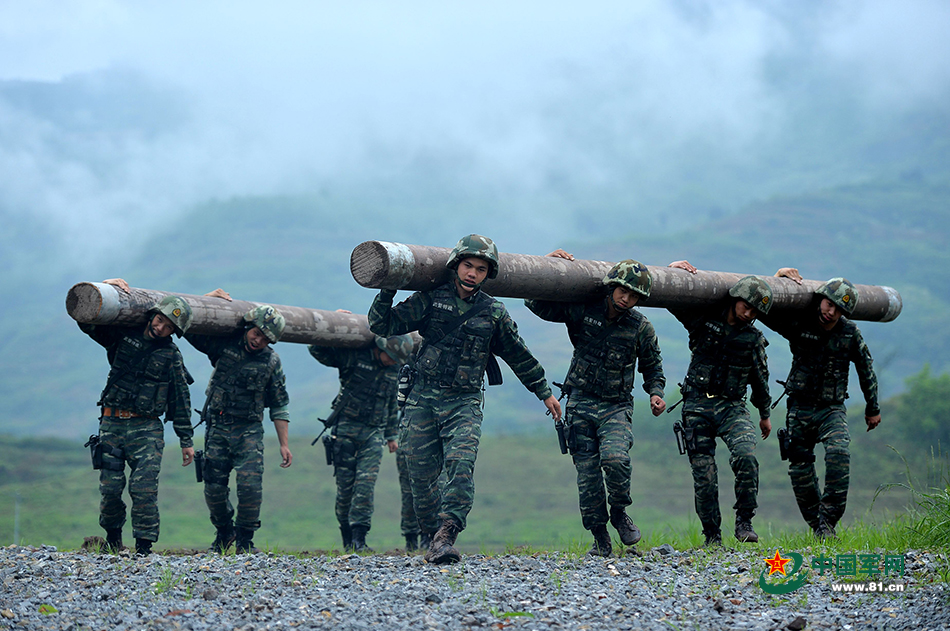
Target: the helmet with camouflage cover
(176, 310)
(840, 291)
(268, 320)
(478, 246)
(399, 347)
(755, 291)
(631, 274)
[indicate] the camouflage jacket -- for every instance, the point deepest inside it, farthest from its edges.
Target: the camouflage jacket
(725, 359)
(147, 377)
(242, 383)
(821, 360)
(367, 388)
(606, 370)
(458, 360)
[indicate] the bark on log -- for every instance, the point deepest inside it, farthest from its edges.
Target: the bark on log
(384, 265)
(99, 303)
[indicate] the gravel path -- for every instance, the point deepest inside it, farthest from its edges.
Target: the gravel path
(662, 589)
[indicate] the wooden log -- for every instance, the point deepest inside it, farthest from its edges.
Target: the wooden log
(384, 265)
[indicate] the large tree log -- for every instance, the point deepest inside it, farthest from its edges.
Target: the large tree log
(99, 303)
(384, 265)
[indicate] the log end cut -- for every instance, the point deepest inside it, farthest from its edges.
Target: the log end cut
(382, 265)
(92, 303)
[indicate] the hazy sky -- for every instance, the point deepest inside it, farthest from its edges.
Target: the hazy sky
(136, 109)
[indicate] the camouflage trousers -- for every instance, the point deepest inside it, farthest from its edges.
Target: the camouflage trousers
(142, 441)
(442, 430)
(601, 435)
(238, 447)
(408, 523)
(729, 420)
(357, 452)
(807, 426)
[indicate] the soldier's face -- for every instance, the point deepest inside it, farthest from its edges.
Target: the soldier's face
(745, 312)
(624, 298)
(829, 313)
(255, 340)
(159, 327)
(472, 271)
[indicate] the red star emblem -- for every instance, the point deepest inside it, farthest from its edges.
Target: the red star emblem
(777, 564)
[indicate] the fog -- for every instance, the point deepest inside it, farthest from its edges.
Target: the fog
(121, 115)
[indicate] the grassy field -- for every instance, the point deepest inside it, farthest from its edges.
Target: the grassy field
(526, 495)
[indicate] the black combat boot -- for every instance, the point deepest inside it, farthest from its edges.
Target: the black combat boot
(243, 541)
(628, 531)
(143, 547)
(442, 549)
(359, 539)
(113, 539)
(744, 530)
(347, 537)
(412, 542)
(825, 529)
(602, 546)
(223, 539)
(713, 540)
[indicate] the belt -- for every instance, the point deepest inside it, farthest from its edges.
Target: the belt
(122, 413)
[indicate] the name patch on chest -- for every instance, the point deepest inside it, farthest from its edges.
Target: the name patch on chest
(592, 321)
(443, 306)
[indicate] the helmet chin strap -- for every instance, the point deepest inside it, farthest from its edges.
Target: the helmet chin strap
(610, 297)
(466, 285)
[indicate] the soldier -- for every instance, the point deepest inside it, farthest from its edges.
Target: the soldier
(247, 378)
(609, 337)
(824, 343)
(147, 379)
(463, 328)
(364, 415)
(728, 356)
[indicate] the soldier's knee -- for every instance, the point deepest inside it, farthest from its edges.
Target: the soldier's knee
(798, 455)
(216, 473)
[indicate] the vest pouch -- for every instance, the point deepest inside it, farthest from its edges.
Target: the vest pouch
(428, 362)
(701, 378)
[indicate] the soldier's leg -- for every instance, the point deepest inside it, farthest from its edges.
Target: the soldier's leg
(344, 470)
(217, 472)
(702, 461)
(833, 433)
(615, 435)
(111, 476)
(369, 454)
(738, 432)
(144, 448)
(249, 476)
(801, 462)
(408, 524)
(424, 457)
(460, 432)
(585, 451)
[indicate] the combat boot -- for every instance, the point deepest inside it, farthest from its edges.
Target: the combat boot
(243, 542)
(442, 549)
(412, 542)
(744, 530)
(359, 539)
(223, 539)
(825, 530)
(113, 539)
(628, 531)
(602, 546)
(143, 547)
(713, 540)
(347, 537)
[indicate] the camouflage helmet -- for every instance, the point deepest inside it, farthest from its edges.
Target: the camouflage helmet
(399, 347)
(176, 310)
(268, 320)
(478, 246)
(755, 291)
(631, 274)
(840, 291)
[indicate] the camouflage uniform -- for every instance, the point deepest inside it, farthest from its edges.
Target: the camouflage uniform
(148, 379)
(443, 413)
(600, 409)
(241, 386)
(725, 361)
(408, 524)
(366, 415)
(817, 387)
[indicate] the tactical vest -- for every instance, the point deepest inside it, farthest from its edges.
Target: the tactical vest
(604, 367)
(723, 358)
(140, 374)
(367, 389)
(458, 360)
(821, 362)
(239, 382)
